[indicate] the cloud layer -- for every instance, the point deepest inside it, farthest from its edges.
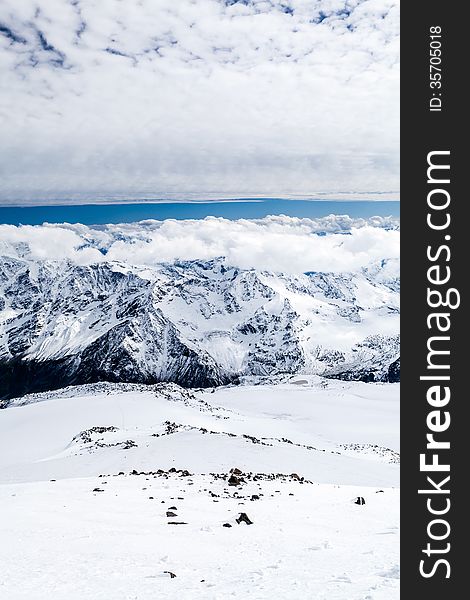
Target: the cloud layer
(157, 98)
(277, 243)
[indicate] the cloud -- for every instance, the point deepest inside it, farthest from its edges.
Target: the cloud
(205, 98)
(283, 244)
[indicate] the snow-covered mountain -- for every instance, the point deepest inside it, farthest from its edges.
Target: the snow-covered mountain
(196, 323)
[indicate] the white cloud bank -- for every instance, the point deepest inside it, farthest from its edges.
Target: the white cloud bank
(105, 99)
(276, 243)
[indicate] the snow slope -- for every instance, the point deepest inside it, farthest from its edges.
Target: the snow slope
(87, 475)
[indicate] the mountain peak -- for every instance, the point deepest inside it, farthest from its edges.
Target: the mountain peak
(197, 323)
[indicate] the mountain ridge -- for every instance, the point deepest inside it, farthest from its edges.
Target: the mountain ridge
(198, 323)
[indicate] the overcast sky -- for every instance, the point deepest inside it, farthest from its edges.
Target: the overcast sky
(187, 99)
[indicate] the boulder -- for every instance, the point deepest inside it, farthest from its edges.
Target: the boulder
(244, 518)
